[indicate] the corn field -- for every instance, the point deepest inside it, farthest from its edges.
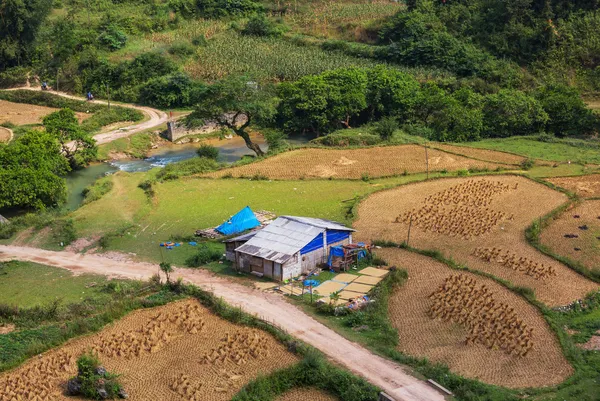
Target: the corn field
(273, 59)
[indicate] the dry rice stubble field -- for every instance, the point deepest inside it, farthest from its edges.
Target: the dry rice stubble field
(586, 186)
(354, 163)
(576, 234)
(481, 154)
(479, 222)
(443, 340)
(21, 113)
(179, 352)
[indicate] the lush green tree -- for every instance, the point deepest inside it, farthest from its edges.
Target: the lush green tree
(77, 145)
(391, 92)
(512, 112)
(568, 114)
(234, 103)
(167, 269)
(176, 90)
(20, 21)
(31, 168)
(323, 103)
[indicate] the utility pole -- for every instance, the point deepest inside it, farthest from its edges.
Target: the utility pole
(108, 95)
(427, 159)
(409, 227)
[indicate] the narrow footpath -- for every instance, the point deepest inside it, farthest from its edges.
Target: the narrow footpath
(392, 378)
(155, 117)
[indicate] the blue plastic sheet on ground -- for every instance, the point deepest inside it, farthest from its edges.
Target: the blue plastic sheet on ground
(193, 243)
(310, 283)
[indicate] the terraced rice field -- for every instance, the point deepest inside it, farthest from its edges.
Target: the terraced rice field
(481, 154)
(306, 394)
(176, 352)
(468, 344)
(479, 222)
(587, 186)
(21, 113)
(576, 234)
(354, 163)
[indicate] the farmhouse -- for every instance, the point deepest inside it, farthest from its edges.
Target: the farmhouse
(287, 247)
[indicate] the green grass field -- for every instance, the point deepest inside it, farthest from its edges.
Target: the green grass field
(26, 284)
(582, 152)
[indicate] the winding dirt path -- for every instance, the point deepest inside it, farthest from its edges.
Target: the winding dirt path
(156, 117)
(394, 379)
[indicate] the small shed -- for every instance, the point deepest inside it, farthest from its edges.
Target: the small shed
(233, 243)
(290, 246)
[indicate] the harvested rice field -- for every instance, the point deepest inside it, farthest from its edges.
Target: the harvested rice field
(21, 113)
(576, 234)
(306, 394)
(479, 222)
(180, 351)
(586, 186)
(477, 327)
(481, 154)
(354, 163)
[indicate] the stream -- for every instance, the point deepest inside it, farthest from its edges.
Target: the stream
(230, 150)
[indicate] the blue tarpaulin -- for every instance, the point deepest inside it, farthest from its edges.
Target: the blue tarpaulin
(241, 221)
(334, 251)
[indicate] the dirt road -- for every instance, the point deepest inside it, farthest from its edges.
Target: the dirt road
(392, 378)
(156, 117)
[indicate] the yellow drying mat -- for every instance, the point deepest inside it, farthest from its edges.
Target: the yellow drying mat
(364, 288)
(367, 280)
(345, 277)
(328, 287)
(288, 289)
(371, 271)
(350, 294)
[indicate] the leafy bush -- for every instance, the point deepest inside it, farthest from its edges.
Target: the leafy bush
(208, 151)
(386, 127)
(260, 25)
(276, 140)
(182, 49)
(214, 8)
(112, 37)
(12, 77)
(527, 164)
(347, 139)
(63, 231)
(197, 165)
(92, 377)
(204, 255)
(176, 90)
(512, 112)
(97, 190)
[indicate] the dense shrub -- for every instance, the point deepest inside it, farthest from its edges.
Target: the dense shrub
(91, 377)
(386, 127)
(197, 165)
(182, 49)
(97, 190)
(204, 255)
(568, 115)
(12, 77)
(511, 112)
(214, 8)
(176, 90)
(63, 231)
(208, 151)
(339, 138)
(112, 37)
(260, 25)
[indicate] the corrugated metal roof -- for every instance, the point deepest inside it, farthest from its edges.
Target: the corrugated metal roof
(285, 236)
(244, 237)
(328, 224)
